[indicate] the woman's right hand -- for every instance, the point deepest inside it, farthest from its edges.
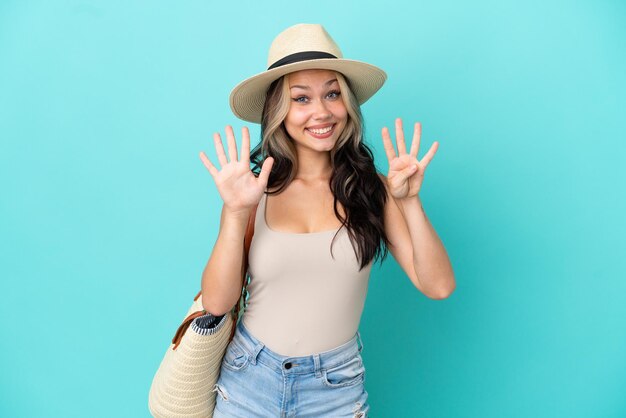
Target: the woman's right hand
(239, 188)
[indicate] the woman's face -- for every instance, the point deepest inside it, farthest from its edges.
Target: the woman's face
(317, 114)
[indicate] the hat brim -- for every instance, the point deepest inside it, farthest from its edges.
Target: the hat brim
(248, 97)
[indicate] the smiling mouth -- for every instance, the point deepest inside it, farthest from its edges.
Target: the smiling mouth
(323, 131)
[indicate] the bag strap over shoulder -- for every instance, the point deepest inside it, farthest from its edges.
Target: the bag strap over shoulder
(249, 233)
(246, 245)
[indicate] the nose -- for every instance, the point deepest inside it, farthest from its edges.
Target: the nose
(321, 111)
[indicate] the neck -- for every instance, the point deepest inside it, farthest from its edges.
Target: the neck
(314, 166)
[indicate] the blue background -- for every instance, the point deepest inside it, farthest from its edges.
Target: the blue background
(107, 215)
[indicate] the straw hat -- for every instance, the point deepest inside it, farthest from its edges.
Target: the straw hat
(299, 47)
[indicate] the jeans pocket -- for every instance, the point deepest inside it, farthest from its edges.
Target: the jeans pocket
(352, 372)
(235, 357)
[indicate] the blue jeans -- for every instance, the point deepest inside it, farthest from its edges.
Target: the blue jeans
(257, 382)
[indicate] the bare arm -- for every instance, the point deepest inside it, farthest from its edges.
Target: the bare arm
(222, 276)
(427, 264)
(241, 191)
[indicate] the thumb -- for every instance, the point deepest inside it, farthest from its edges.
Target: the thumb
(266, 169)
(402, 175)
(409, 171)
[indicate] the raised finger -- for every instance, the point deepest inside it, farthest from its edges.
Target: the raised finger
(208, 164)
(400, 137)
(219, 149)
(430, 154)
(415, 144)
(232, 144)
(245, 145)
(389, 150)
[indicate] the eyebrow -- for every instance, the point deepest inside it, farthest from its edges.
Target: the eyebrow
(331, 81)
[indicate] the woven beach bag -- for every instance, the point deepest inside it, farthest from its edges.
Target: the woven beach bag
(184, 384)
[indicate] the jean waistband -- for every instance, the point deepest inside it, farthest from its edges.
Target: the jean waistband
(296, 365)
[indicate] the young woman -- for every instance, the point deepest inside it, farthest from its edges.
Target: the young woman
(324, 214)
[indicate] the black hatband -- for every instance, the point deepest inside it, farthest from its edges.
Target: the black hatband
(301, 56)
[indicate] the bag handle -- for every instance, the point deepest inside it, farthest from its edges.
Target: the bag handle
(247, 240)
(180, 332)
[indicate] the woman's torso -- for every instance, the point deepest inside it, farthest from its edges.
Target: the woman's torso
(302, 301)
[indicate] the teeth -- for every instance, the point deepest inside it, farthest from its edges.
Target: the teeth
(321, 131)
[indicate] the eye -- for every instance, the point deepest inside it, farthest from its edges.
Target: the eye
(298, 99)
(334, 94)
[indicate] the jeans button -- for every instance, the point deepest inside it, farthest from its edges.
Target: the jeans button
(287, 365)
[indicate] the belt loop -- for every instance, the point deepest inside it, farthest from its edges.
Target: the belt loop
(317, 363)
(255, 352)
(359, 341)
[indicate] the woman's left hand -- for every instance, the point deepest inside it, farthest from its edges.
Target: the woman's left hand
(406, 173)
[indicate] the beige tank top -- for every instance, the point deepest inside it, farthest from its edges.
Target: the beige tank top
(301, 300)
